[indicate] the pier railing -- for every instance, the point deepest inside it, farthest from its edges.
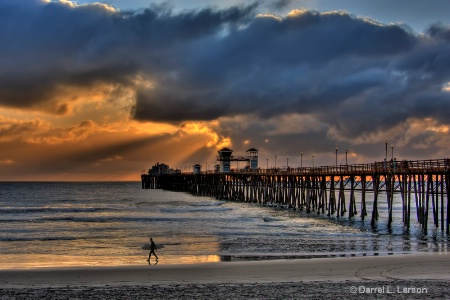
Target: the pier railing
(404, 166)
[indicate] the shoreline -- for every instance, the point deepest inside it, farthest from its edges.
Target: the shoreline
(406, 276)
(36, 262)
(434, 266)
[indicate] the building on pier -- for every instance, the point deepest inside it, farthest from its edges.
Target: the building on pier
(159, 169)
(252, 155)
(162, 169)
(197, 169)
(225, 158)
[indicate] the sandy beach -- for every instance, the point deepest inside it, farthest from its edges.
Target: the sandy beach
(421, 276)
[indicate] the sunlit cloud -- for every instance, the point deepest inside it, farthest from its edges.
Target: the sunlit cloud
(38, 131)
(295, 13)
(6, 162)
(268, 15)
(446, 87)
(215, 140)
(75, 4)
(108, 160)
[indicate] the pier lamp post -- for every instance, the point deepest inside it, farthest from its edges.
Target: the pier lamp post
(392, 152)
(267, 164)
(275, 161)
(386, 150)
(346, 156)
(313, 161)
(336, 155)
(287, 162)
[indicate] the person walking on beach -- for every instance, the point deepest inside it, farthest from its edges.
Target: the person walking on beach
(152, 250)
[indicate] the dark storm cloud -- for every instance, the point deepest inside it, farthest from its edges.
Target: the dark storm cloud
(48, 46)
(280, 4)
(345, 70)
(439, 30)
(352, 73)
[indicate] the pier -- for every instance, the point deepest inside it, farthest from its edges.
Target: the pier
(330, 190)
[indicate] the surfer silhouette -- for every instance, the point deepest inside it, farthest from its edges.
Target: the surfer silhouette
(152, 250)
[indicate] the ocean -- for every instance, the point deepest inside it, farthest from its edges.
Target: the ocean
(61, 224)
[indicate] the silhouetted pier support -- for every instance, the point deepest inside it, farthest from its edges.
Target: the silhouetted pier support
(324, 189)
(149, 182)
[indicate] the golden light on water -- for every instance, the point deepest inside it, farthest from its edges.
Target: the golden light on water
(112, 252)
(33, 261)
(188, 259)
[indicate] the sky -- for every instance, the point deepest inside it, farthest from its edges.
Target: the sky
(104, 90)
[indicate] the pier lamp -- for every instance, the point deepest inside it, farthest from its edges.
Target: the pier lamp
(392, 151)
(386, 149)
(346, 156)
(336, 155)
(267, 165)
(313, 161)
(275, 161)
(301, 160)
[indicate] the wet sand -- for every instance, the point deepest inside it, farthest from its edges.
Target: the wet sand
(421, 276)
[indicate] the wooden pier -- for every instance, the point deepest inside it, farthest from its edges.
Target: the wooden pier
(422, 185)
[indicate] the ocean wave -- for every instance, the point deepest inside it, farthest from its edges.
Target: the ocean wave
(105, 219)
(212, 203)
(109, 219)
(34, 239)
(161, 203)
(269, 219)
(273, 226)
(205, 209)
(32, 210)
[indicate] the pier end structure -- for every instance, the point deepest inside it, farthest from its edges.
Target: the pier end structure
(252, 155)
(197, 169)
(225, 158)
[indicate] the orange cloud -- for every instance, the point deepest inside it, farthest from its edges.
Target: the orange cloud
(6, 162)
(216, 140)
(38, 131)
(38, 148)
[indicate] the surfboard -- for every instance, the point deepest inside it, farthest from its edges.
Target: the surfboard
(147, 247)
